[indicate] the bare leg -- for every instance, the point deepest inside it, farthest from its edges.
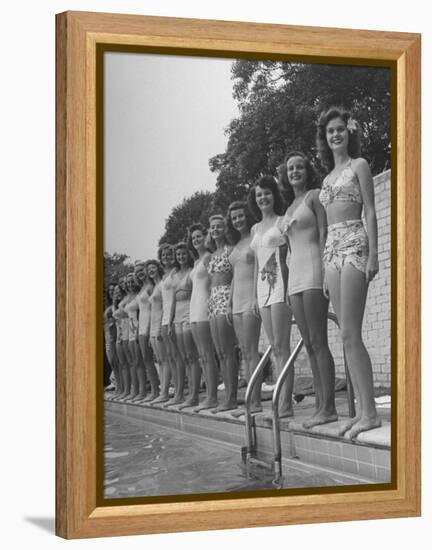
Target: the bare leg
(310, 310)
(247, 328)
(229, 365)
(194, 369)
(277, 324)
(165, 372)
(126, 369)
(334, 285)
(169, 354)
(140, 373)
(179, 355)
(133, 370)
(203, 339)
(121, 368)
(146, 352)
(114, 363)
(353, 301)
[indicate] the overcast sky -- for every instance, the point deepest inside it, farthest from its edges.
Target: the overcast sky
(164, 118)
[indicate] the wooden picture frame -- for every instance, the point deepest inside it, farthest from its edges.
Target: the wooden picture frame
(78, 269)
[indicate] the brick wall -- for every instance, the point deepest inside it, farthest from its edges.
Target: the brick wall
(376, 324)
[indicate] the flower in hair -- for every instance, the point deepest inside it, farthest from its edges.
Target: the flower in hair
(351, 125)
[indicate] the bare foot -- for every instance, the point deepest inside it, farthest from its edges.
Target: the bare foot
(160, 399)
(174, 401)
(211, 404)
(238, 413)
(122, 397)
(254, 409)
(138, 398)
(189, 403)
(130, 396)
(224, 407)
(151, 397)
(319, 419)
(348, 425)
(363, 425)
(286, 413)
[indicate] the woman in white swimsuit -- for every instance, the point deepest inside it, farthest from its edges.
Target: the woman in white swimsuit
(271, 277)
(146, 366)
(155, 273)
(110, 335)
(305, 227)
(123, 352)
(175, 361)
(118, 296)
(198, 317)
(351, 250)
(246, 320)
(131, 308)
(181, 320)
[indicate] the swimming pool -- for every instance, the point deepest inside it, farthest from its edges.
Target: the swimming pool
(144, 459)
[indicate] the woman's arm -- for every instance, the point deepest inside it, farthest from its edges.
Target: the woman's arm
(321, 218)
(255, 279)
(362, 170)
(173, 307)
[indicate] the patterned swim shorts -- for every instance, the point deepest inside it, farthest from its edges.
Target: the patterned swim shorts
(347, 242)
(218, 301)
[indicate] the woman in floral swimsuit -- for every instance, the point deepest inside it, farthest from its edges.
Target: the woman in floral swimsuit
(220, 271)
(271, 276)
(351, 251)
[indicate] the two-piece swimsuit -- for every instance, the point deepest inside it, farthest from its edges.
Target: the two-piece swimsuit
(183, 290)
(220, 294)
(109, 329)
(347, 242)
(305, 265)
(131, 309)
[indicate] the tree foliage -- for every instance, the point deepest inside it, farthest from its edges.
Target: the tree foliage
(115, 266)
(193, 209)
(279, 104)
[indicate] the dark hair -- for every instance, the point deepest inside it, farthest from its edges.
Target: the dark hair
(324, 152)
(194, 227)
(107, 292)
(266, 182)
(162, 248)
(123, 294)
(312, 181)
(210, 242)
(233, 234)
(182, 246)
(132, 274)
(159, 268)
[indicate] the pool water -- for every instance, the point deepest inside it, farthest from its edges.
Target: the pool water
(143, 459)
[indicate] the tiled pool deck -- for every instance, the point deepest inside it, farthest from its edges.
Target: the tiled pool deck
(368, 457)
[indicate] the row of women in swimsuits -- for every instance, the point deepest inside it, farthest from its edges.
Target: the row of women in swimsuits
(288, 263)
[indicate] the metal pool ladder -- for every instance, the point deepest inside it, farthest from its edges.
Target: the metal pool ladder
(250, 450)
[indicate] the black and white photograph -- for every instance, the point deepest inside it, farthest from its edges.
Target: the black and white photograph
(247, 275)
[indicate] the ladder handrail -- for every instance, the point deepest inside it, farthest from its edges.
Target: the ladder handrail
(250, 441)
(276, 394)
(275, 407)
